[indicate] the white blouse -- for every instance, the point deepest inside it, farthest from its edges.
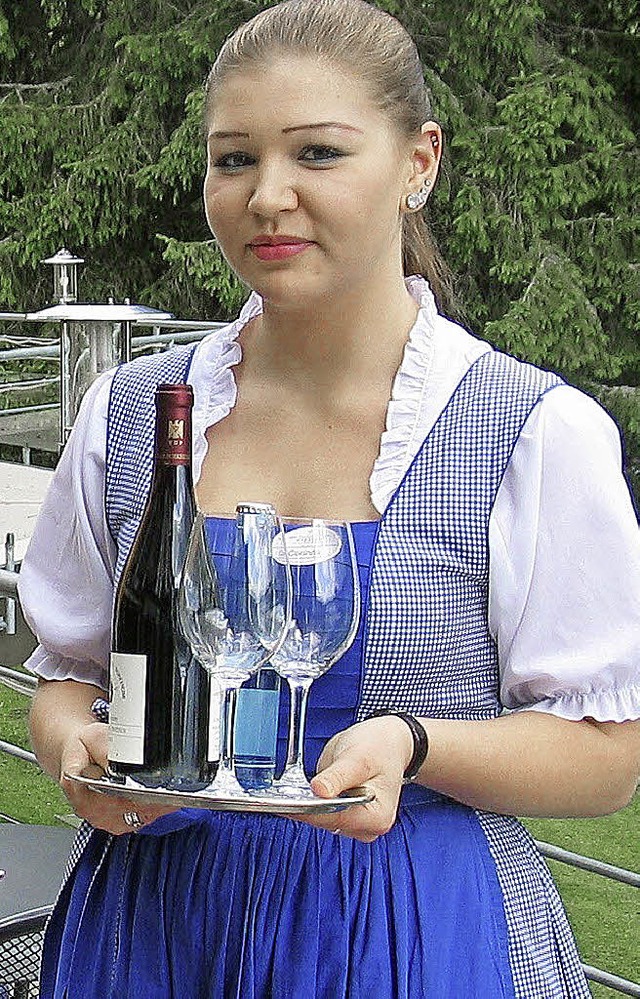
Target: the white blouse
(564, 591)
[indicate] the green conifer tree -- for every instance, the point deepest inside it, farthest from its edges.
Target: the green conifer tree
(536, 210)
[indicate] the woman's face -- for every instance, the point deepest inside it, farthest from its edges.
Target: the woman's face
(306, 180)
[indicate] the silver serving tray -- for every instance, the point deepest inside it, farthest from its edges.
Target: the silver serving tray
(275, 804)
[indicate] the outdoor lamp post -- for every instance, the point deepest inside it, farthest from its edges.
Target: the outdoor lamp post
(65, 292)
(65, 276)
(93, 337)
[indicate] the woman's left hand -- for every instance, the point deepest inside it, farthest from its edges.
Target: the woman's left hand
(374, 752)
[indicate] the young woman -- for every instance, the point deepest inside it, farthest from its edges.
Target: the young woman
(498, 549)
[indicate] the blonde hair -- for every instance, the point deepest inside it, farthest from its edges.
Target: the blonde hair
(370, 44)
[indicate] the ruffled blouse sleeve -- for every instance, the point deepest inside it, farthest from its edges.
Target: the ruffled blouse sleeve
(565, 567)
(66, 578)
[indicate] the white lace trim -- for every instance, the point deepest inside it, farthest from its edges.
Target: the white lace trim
(216, 387)
(407, 394)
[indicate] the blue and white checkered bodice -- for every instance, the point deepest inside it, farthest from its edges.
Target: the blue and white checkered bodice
(427, 646)
(429, 649)
(130, 440)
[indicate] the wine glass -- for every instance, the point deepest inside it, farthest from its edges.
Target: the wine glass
(234, 607)
(324, 620)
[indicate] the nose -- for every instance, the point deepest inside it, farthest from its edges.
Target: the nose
(273, 192)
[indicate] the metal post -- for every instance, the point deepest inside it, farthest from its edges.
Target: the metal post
(124, 344)
(124, 338)
(8, 620)
(10, 602)
(66, 419)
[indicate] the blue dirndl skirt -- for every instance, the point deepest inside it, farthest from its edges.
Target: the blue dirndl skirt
(225, 904)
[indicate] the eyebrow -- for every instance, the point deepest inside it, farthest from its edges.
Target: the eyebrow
(323, 124)
(290, 128)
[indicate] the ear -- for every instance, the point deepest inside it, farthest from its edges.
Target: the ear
(425, 153)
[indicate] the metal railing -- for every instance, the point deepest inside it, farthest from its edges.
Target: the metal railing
(23, 683)
(83, 350)
(619, 874)
(186, 330)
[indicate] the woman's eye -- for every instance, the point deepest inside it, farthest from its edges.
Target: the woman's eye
(320, 155)
(232, 161)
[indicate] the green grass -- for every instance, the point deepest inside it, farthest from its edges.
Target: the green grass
(26, 793)
(605, 915)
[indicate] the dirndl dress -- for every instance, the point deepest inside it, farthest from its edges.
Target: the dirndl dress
(451, 902)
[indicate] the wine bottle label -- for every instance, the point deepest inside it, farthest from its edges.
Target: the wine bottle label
(306, 546)
(127, 709)
(215, 706)
(173, 424)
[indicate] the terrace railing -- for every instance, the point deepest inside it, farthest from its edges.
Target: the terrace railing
(43, 405)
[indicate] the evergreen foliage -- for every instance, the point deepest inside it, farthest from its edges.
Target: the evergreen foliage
(537, 209)
(100, 144)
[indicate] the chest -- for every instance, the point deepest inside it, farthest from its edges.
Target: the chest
(280, 449)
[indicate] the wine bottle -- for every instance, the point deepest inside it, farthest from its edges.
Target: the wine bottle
(158, 719)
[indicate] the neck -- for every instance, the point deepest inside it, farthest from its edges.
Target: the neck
(356, 337)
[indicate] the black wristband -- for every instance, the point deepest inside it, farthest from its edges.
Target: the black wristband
(420, 741)
(100, 709)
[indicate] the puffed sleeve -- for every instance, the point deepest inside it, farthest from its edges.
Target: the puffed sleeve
(564, 605)
(66, 578)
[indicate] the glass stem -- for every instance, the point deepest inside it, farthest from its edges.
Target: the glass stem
(183, 745)
(299, 694)
(228, 706)
(179, 735)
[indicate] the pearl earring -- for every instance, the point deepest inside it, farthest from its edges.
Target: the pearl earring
(418, 199)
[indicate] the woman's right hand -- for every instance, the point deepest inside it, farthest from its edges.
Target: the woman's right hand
(85, 753)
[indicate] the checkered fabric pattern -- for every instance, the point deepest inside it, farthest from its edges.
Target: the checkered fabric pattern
(428, 648)
(542, 951)
(130, 445)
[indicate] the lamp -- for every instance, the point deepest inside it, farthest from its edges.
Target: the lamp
(65, 275)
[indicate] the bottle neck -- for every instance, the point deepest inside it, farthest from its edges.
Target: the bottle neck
(170, 476)
(173, 433)
(170, 510)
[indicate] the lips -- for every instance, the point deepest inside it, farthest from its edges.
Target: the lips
(277, 241)
(278, 247)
